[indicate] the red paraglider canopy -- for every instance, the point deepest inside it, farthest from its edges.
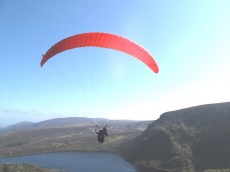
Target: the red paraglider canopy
(104, 40)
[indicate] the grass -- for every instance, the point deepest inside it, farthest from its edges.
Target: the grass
(7, 167)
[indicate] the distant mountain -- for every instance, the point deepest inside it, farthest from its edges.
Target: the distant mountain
(189, 140)
(69, 121)
(55, 123)
(18, 126)
(67, 134)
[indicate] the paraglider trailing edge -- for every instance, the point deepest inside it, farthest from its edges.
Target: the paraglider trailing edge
(103, 40)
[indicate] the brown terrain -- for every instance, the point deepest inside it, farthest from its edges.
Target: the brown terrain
(194, 139)
(66, 134)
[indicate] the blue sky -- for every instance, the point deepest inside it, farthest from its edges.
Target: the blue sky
(188, 39)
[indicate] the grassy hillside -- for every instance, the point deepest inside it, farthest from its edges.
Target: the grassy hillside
(67, 134)
(24, 168)
(191, 139)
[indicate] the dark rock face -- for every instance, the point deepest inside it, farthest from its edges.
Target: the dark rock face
(191, 139)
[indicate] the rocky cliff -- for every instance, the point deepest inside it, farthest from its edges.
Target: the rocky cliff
(191, 139)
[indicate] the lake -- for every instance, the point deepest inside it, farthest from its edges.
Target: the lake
(76, 161)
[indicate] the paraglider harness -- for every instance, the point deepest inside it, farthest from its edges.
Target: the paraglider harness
(101, 133)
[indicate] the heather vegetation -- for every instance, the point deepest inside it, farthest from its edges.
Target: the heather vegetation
(67, 134)
(194, 139)
(189, 140)
(24, 168)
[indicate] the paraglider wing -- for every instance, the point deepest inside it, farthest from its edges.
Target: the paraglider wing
(104, 40)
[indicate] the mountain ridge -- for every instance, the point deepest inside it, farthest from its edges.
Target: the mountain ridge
(67, 134)
(62, 122)
(190, 139)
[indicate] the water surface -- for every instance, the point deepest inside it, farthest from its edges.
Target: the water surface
(76, 161)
